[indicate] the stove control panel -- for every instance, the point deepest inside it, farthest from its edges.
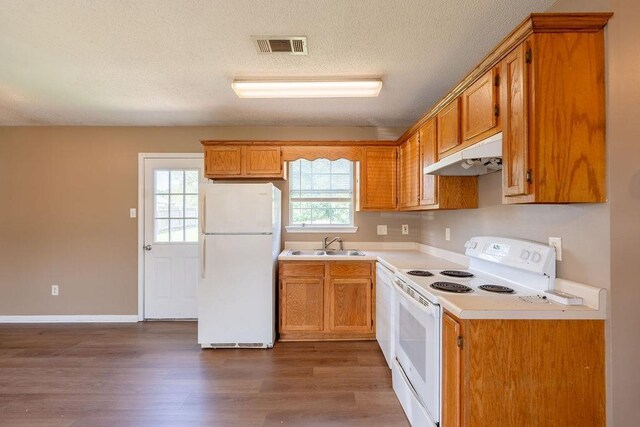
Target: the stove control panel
(521, 254)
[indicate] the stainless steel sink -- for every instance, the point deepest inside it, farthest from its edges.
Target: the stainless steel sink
(320, 252)
(307, 253)
(352, 252)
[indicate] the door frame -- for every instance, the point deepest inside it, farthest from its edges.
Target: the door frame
(141, 214)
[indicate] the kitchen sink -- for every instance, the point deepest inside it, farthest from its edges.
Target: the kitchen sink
(353, 252)
(320, 252)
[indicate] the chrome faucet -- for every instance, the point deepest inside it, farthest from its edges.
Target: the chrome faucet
(326, 244)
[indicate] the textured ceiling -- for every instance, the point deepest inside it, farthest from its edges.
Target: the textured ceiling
(171, 62)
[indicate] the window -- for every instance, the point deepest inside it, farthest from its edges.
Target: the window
(320, 195)
(175, 201)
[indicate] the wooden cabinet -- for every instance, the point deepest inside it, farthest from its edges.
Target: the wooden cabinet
(554, 129)
(550, 102)
(408, 165)
(223, 161)
(442, 192)
(332, 300)
(448, 128)
(451, 371)
(522, 372)
(237, 161)
(378, 178)
(480, 108)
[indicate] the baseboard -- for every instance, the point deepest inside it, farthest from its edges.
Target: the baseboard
(100, 318)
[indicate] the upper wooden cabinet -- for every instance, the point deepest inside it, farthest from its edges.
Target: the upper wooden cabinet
(442, 192)
(408, 165)
(237, 161)
(502, 372)
(554, 132)
(378, 178)
(332, 300)
(448, 128)
(480, 108)
(543, 88)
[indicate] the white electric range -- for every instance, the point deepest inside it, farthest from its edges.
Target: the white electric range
(500, 270)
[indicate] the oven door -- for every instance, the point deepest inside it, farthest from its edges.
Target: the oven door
(417, 347)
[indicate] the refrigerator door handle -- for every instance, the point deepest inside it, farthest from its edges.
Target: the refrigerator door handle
(203, 222)
(203, 257)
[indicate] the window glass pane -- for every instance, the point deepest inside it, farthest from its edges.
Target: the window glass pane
(177, 230)
(190, 230)
(162, 206)
(315, 190)
(177, 182)
(162, 230)
(191, 206)
(177, 206)
(191, 182)
(162, 182)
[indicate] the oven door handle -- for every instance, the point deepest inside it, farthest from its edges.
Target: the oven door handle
(431, 309)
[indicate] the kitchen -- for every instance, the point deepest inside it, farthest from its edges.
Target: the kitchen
(593, 234)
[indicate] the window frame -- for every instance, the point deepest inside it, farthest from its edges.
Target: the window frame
(324, 228)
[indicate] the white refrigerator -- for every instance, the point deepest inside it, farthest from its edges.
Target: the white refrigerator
(239, 247)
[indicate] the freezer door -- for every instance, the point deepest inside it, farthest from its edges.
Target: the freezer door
(237, 208)
(236, 292)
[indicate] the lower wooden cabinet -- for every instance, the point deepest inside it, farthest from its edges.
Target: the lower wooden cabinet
(332, 300)
(522, 372)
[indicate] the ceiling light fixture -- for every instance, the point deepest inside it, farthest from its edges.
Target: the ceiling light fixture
(348, 88)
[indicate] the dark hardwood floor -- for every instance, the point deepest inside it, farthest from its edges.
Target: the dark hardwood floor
(154, 374)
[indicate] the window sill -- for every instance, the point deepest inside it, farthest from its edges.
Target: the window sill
(321, 229)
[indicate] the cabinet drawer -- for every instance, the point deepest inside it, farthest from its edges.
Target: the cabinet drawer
(302, 269)
(350, 269)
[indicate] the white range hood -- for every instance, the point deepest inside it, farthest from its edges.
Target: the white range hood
(478, 159)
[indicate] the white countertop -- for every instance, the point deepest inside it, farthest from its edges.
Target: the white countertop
(416, 256)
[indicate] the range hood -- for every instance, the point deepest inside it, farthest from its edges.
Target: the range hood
(479, 159)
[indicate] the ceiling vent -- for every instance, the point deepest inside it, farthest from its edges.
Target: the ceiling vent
(281, 44)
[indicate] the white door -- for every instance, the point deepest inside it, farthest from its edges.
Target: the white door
(171, 237)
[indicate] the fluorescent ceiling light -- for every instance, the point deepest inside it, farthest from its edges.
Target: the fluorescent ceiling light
(355, 88)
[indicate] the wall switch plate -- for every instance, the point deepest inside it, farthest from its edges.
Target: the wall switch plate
(556, 242)
(405, 228)
(447, 233)
(382, 230)
(132, 213)
(55, 290)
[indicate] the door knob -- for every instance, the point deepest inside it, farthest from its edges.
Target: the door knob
(147, 247)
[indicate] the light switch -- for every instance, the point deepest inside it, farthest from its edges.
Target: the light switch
(447, 233)
(382, 230)
(132, 213)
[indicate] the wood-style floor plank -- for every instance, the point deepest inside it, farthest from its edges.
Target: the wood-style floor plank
(154, 374)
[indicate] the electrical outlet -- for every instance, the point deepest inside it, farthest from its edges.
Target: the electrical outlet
(382, 230)
(447, 233)
(132, 213)
(55, 291)
(405, 228)
(556, 242)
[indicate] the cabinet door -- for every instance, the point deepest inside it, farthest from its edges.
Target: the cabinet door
(480, 107)
(302, 304)
(451, 372)
(350, 305)
(515, 142)
(409, 165)
(378, 178)
(223, 161)
(428, 183)
(448, 127)
(266, 161)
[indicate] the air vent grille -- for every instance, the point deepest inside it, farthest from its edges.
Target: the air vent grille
(296, 45)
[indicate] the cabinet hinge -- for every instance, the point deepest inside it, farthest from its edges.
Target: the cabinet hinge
(529, 176)
(496, 110)
(496, 81)
(528, 56)
(460, 341)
